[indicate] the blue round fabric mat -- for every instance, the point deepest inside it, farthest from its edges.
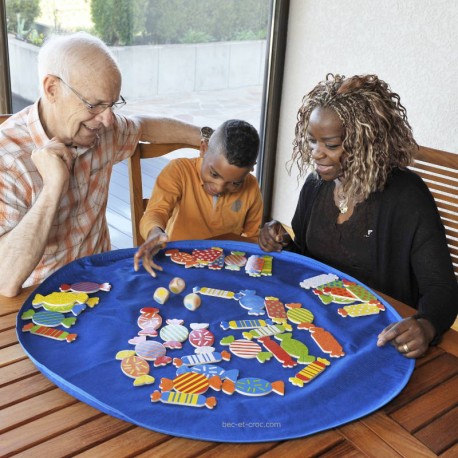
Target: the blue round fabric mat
(352, 386)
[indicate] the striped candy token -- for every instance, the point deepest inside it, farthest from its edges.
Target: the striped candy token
(297, 314)
(245, 348)
(191, 382)
(174, 331)
(150, 350)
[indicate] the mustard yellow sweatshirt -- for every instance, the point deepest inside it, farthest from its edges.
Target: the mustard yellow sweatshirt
(181, 207)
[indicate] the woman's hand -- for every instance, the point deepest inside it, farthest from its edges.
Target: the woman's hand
(273, 237)
(411, 336)
(157, 240)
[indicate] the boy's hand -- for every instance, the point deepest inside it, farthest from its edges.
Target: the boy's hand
(273, 237)
(157, 240)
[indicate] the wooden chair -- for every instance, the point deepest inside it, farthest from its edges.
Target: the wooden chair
(137, 202)
(439, 170)
(4, 117)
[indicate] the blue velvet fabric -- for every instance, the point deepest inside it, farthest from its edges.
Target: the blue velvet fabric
(362, 381)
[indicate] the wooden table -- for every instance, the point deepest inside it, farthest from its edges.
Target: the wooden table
(38, 419)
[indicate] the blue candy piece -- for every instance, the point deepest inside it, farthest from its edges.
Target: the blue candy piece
(210, 370)
(249, 300)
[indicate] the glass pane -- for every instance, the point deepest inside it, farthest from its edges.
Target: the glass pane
(201, 61)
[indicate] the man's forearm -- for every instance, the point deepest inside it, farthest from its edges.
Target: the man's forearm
(168, 130)
(22, 248)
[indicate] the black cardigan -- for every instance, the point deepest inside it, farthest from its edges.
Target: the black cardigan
(411, 260)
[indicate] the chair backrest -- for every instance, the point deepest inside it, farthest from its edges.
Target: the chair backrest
(439, 170)
(4, 117)
(137, 202)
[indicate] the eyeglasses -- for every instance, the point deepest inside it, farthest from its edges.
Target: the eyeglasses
(99, 107)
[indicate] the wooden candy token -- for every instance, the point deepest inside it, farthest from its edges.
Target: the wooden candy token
(149, 320)
(254, 386)
(181, 257)
(210, 370)
(202, 358)
(254, 265)
(364, 309)
(135, 367)
(339, 293)
(280, 354)
(308, 373)
(183, 399)
(275, 309)
(298, 315)
(235, 261)
(50, 333)
(207, 256)
(326, 341)
(214, 292)
(191, 382)
(242, 324)
(150, 350)
(250, 301)
(200, 336)
(318, 280)
(218, 263)
(295, 348)
(48, 318)
(269, 330)
(241, 347)
(361, 293)
(267, 265)
(87, 287)
(174, 332)
(64, 302)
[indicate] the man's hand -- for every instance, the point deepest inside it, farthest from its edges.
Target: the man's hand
(54, 162)
(273, 237)
(157, 240)
(411, 336)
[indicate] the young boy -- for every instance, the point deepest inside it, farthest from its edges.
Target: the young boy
(204, 197)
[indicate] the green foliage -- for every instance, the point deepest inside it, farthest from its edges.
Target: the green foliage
(124, 22)
(118, 21)
(176, 21)
(20, 15)
(35, 38)
(196, 36)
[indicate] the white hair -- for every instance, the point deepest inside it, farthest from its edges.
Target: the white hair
(62, 55)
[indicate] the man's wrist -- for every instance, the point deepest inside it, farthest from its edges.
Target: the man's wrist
(205, 133)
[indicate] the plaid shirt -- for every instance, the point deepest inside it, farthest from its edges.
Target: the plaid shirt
(79, 227)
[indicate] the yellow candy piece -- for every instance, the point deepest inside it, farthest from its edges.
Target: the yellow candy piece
(144, 380)
(124, 354)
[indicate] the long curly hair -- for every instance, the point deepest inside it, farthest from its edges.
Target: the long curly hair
(377, 134)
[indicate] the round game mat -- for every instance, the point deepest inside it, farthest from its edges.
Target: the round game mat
(349, 387)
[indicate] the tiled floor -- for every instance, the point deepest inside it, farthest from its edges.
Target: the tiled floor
(203, 108)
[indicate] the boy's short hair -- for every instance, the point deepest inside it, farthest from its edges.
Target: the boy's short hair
(240, 142)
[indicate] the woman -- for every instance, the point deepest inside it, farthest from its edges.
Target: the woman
(363, 212)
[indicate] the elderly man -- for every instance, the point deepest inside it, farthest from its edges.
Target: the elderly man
(56, 158)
